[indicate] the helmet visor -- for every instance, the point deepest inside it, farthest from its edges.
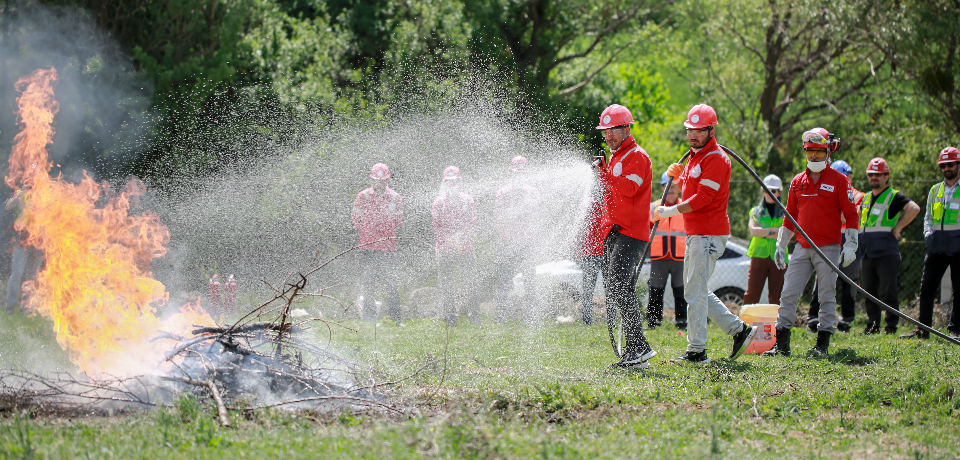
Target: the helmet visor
(814, 138)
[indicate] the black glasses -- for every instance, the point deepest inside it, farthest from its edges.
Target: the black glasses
(948, 165)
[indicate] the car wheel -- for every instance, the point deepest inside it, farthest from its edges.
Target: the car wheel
(730, 296)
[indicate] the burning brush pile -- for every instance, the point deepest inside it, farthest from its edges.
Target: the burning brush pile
(97, 288)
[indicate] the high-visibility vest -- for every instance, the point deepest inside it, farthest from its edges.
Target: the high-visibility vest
(875, 219)
(670, 241)
(944, 212)
(763, 247)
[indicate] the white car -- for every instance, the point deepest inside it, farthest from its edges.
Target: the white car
(729, 280)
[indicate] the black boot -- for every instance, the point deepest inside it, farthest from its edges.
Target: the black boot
(680, 308)
(655, 307)
(823, 343)
(782, 348)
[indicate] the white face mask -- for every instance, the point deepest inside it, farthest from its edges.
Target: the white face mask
(816, 166)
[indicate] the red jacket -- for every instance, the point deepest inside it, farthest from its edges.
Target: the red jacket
(705, 182)
(593, 238)
(377, 217)
(454, 218)
(817, 206)
(516, 208)
(626, 198)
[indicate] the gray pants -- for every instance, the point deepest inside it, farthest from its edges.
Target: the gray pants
(456, 278)
(380, 268)
(25, 262)
(698, 264)
(803, 262)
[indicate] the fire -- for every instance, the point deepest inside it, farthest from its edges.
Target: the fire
(96, 284)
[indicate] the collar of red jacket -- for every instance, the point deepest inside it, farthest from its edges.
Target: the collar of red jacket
(627, 145)
(711, 146)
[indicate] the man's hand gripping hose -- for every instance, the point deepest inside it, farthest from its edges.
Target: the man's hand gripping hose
(842, 276)
(849, 253)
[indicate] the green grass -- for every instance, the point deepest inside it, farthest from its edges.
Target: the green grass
(513, 392)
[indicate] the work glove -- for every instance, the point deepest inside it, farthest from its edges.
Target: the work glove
(849, 252)
(674, 171)
(664, 212)
(780, 256)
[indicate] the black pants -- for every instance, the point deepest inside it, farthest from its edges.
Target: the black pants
(934, 266)
(879, 278)
(848, 294)
(457, 278)
(621, 258)
(511, 260)
(659, 271)
(590, 265)
(379, 269)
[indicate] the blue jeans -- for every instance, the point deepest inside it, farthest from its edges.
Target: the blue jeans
(24, 264)
(698, 263)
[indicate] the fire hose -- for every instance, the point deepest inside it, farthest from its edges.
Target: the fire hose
(616, 337)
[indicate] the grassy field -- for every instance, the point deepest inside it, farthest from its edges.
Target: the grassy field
(513, 392)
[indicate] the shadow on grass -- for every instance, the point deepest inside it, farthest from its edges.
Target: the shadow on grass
(849, 357)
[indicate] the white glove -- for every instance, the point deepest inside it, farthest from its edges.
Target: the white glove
(667, 211)
(783, 239)
(849, 253)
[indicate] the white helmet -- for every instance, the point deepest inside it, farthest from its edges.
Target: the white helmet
(773, 182)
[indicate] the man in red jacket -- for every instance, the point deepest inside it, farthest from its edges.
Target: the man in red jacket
(705, 183)
(626, 224)
(377, 214)
(818, 198)
(454, 217)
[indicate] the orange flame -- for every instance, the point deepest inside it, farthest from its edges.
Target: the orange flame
(96, 284)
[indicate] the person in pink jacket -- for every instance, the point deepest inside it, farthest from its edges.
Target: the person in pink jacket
(454, 218)
(377, 214)
(516, 209)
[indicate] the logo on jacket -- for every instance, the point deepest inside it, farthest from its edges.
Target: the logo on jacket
(617, 169)
(696, 170)
(826, 187)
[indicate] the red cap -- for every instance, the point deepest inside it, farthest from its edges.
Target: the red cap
(877, 166)
(518, 163)
(615, 115)
(701, 116)
(451, 173)
(379, 171)
(948, 155)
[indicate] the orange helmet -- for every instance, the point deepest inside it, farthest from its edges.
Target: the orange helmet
(948, 155)
(878, 166)
(615, 115)
(701, 116)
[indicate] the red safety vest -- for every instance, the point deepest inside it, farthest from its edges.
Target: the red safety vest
(670, 241)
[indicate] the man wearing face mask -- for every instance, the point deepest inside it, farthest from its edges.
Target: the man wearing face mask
(377, 214)
(626, 224)
(454, 217)
(941, 230)
(705, 185)
(883, 215)
(818, 200)
(765, 221)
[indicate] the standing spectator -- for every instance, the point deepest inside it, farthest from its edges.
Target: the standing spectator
(591, 256)
(377, 214)
(626, 224)
(454, 218)
(941, 230)
(25, 260)
(848, 293)
(765, 221)
(705, 182)
(818, 197)
(666, 259)
(883, 215)
(516, 208)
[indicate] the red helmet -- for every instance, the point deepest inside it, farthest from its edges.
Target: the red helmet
(451, 173)
(948, 155)
(379, 171)
(701, 116)
(877, 166)
(518, 163)
(615, 115)
(819, 138)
